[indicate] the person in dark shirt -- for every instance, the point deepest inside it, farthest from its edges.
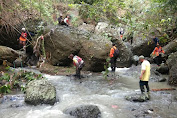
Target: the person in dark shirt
(60, 19)
(156, 40)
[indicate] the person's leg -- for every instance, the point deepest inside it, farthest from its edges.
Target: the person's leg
(78, 73)
(156, 60)
(112, 63)
(141, 84)
(147, 86)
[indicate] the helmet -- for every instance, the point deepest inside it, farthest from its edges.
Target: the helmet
(23, 29)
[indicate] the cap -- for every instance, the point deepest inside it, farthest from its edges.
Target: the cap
(23, 29)
(141, 57)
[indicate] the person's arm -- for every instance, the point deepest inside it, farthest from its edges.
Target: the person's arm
(154, 51)
(142, 73)
(111, 52)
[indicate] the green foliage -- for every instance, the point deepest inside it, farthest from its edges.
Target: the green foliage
(6, 77)
(101, 10)
(5, 89)
(105, 73)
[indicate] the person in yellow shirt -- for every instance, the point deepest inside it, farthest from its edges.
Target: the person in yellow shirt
(145, 74)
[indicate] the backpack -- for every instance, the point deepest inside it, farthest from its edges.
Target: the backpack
(116, 52)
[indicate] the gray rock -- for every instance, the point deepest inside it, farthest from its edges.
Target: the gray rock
(142, 47)
(162, 80)
(170, 47)
(163, 69)
(172, 64)
(176, 98)
(138, 98)
(84, 111)
(171, 61)
(40, 92)
(173, 75)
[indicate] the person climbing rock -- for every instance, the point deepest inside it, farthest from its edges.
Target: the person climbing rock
(78, 62)
(155, 40)
(158, 53)
(113, 55)
(66, 21)
(60, 19)
(22, 39)
(145, 74)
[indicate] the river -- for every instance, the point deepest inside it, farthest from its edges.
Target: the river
(96, 90)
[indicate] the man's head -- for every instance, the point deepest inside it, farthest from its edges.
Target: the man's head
(141, 58)
(158, 45)
(71, 56)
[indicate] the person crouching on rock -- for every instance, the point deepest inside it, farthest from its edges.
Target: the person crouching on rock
(158, 53)
(145, 74)
(22, 39)
(78, 62)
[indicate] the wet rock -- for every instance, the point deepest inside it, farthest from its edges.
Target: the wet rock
(84, 111)
(172, 64)
(138, 98)
(40, 92)
(16, 105)
(162, 80)
(173, 75)
(163, 69)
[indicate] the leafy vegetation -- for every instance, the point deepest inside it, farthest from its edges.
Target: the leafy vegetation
(17, 80)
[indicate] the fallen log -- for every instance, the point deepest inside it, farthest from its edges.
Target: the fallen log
(163, 89)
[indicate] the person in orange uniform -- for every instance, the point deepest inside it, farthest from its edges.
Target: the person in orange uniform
(157, 52)
(113, 58)
(78, 62)
(23, 38)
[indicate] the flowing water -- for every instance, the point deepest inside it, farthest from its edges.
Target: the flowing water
(96, 90)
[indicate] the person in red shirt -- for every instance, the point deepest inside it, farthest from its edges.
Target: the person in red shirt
(78, 63)
(22, 39)
(113, 58)
(157, 52)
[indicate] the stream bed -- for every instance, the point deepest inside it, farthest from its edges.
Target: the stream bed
(94, 89)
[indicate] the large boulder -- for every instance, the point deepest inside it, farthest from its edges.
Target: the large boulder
(94, 55)
(142, 47)
(84, 111)
(60, 45)
(170, 47)
(40, 92)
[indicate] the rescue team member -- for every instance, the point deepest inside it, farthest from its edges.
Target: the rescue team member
(78, 62)
(113, 58)
(157, 52)
(22, 39)
(145, 74)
